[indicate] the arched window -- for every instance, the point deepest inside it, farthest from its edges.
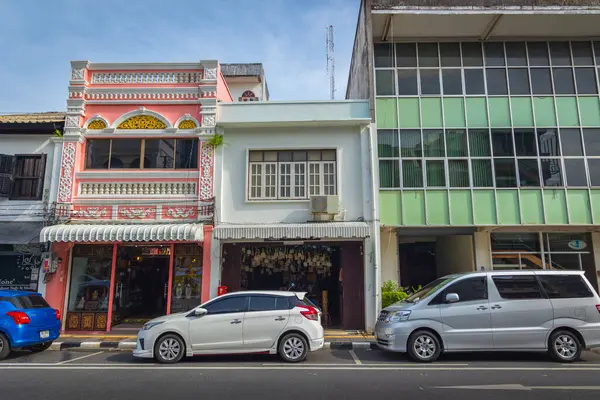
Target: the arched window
(248, 95)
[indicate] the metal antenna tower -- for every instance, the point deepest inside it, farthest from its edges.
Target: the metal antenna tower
(329, 51)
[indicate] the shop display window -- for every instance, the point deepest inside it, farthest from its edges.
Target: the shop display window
(187, 278)
(90, 279)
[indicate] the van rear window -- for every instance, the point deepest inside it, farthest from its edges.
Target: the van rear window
(30, 302)
(565, 286)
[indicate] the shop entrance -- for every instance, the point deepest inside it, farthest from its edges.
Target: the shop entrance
(331, 274)
(141, 285)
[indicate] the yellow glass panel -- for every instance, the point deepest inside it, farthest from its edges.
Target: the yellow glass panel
(97, 124)
(187, 124)
(142, 122)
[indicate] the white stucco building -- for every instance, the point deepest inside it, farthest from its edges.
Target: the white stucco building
(294, 190)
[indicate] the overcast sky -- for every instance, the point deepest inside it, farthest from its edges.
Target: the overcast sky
(38, 39)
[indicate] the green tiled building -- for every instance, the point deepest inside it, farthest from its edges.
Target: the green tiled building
(487, 128)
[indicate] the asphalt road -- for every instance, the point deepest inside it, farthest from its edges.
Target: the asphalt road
(327, 374)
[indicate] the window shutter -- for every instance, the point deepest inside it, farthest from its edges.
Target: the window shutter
(6, 174)
(40, 173)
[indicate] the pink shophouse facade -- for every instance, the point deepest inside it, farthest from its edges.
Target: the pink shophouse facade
(134, 206)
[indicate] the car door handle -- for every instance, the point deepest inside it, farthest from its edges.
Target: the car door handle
(236, 321)
(279, 319)
(481, 308)
(496, 306)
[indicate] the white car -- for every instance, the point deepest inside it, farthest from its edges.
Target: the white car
(284, 323)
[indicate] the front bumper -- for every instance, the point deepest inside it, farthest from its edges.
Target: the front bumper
(317, 344)
(25, 336)
(392, 337)
(144, 345)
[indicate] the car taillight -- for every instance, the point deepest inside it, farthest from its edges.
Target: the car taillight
(310, 313)
(598, 307)
(19, 317)
(57, 314)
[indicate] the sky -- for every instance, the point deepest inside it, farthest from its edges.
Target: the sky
(39, 38)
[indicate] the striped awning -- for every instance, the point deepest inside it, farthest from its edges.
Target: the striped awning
(90, 233)
(314, 230)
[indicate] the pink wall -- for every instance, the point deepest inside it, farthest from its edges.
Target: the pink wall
(171, 112)
(223, 93)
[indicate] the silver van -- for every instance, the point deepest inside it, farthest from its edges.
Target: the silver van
(553, 311)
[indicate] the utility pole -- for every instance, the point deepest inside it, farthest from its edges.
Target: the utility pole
(330, 54)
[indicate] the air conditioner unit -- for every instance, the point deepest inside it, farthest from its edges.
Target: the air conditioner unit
(325, 204)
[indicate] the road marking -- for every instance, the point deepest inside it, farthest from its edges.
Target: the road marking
(363, 364)
(517, 386)
(79, 358)
(355, 358)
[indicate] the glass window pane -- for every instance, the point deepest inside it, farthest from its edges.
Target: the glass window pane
(428, 55)
(565, 286)
(411, 143)
(186, 155)
(575, 172)
(525, 143)
(505, 172)
(228, 305)
(187, 278)
(559, 242)
(551, 172)
(582, 53)
(284, 155)
(456, 143)
(412, 173)
(387, 143)
(515, 242)
(516, 54)
(519, 287)
(436, 175)
(471, 289)
(571, 142)
(494, 54)
(474, 83)
(597, 52)
(538, 53)
(389, 173)
(384, 83)
(272, 155)
(430, 81)
(496, 81)
(383, 55)
(159, 153)
(97, 152)
(450, 53)
(563, 80)
(433, 142)
(502, 143)
(255, 156)
(407, 82)
(458, 171)
(299, 155)
(328, 155)
(125, 153)
(471, 54)
(90, 278)
(479, 143)
(406, 55)
(594, 168)
(482, 173)
(529, 173)
(548, 142)
(568, 262)
(518, 79)
(261, 303)
(560, 53)
(586, 81)
(541, 81)
(591, 138)
(452, 80)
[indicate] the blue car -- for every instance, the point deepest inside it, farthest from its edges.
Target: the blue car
(26, 322)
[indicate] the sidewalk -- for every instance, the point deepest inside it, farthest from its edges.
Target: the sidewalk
(334, 339)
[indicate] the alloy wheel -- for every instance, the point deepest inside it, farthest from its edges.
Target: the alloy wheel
(169, 349)
(424, 347)
(1, 345)
(293, 348)
(565, 346)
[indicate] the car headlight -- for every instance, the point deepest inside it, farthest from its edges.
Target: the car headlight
(397, 316)
(150, 325)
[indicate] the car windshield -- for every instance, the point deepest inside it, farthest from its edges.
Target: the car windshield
(427, 290)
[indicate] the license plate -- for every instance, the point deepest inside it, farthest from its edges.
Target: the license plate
(44, 334)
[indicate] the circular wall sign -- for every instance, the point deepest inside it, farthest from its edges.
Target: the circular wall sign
(577, 244)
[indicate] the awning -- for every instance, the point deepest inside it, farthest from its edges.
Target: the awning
(314, 230)
(20, 232)
(123, 233)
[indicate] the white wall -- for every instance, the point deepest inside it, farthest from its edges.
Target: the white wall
(237, 88)
(27, 210)
(454, 254)
(389, 256)
(483, 248)
(233, 206)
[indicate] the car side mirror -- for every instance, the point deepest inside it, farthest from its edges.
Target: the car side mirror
(199, 312)
(452, 298)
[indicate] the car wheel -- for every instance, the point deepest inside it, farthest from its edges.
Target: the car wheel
(293, 348)
(38, 348)
(424, 346)
(4, 346)
(564, 346)
(169, 349)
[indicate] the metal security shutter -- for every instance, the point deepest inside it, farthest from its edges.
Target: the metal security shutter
(6, 174)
